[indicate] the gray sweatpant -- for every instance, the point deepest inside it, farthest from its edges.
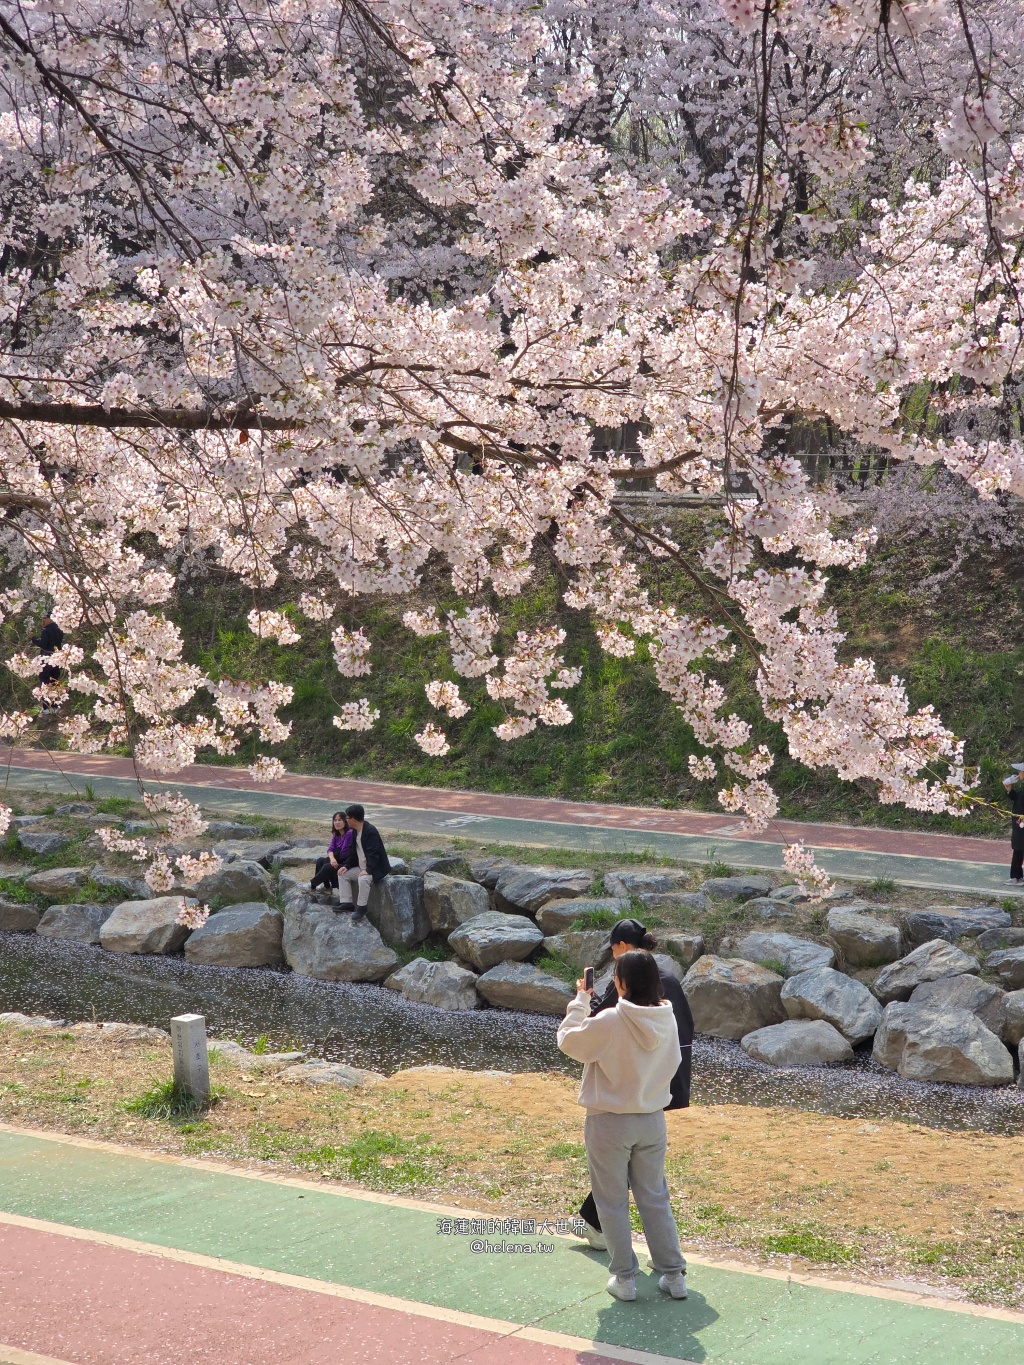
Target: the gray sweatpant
(349, 878)
(627, 1152)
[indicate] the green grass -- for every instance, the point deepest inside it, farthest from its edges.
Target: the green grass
(15, 890)
(556, 965)
(595, 919)
(115, 805)
(808, 1244)
(166, 1101)
(566, 1151)
(882, 886)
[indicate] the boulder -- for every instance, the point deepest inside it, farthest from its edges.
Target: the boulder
(964, 992)
(954, 1046)
(767, 908)
(1012, 1022)
(236, 883)
(952, 922)
(79, 922)
(823, 993)
(523, 890)
(319, 1072)
(441, 984)
(241, 936)
(230, 829)
(23, 822)
(129, 888)
(449, 864)
(56, 881)
(493, 937)
(42, 844)
(795, 954)
(30, 1023)
(113, 1031)
(249, 850)
(993, 939)
(559, 915)
(321, 943)
(486, 871)
(863, 940)
(16, 918)
(149, 926)
(450, 901)
(685, 948)
(298, 855)
(396, 910)
(639, 881)
(251, 1061)
(138, 826)
(1009, 966)
(518, 986)
(735, 888)
(790, 894)
(927, 963)
(798, 1042)
(296, 880)
(580, 947)
(730, 999)
(673, 902)
(75, 808)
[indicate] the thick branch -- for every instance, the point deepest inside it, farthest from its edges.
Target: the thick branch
(174, 419)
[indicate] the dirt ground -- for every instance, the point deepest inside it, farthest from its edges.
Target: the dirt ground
(886, 1201)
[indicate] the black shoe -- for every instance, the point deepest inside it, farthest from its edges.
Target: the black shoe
(360, 914)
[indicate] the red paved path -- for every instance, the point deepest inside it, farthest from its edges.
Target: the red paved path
(344, 789)
(93, 1304)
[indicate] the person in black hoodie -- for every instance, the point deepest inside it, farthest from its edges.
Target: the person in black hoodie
(367, 862)
(1015, 791)
(626, 935)
(50, 637)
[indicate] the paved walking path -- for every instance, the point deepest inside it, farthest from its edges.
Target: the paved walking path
(110, 1256)
(939, 861)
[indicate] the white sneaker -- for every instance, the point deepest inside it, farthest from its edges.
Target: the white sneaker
(674, 1285)
(595, 1238)
(624, 1289)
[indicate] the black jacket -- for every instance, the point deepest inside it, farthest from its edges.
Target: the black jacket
(51, 637)
(373, 849)
(1017, 807)
(671, 991)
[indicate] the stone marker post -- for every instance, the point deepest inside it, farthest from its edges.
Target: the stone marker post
(191, 1062)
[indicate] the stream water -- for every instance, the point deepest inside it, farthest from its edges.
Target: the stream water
(371, 1027)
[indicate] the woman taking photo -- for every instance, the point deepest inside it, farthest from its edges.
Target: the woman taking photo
(630, 1054)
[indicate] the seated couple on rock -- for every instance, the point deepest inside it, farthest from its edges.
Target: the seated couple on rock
(355, 859)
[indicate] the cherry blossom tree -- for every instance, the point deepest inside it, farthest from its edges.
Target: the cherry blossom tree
(347, 290)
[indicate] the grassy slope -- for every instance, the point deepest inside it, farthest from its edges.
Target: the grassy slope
(627, 743)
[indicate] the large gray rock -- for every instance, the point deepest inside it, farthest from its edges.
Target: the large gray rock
(952, 922)
(559, 915)
(230, 829)
(1012, 1022)
(249, 850)
(523, 890)
(685, 948)
(242, 936)
(794, 954)
(486, 871)
(16, 918)
(236, 883)
(518, 986)
(397, 910)
(237, 1055)
(790, 894)
(42, 844)
(128, 888)
(449, 864)
(441, 984)
(56, 881)
(23, 821)
(798, 1042)
(293, 883)
(965, 992)
(826, 994)
(994, 939)
(319, 1072)
(685, 903)
(925, 1044)
(863, 940)
(79, 922)
(639, 881)
(493, 937)
(144, 927)
(739, 888)
(730, 998)
(75, 808)
(335, 947)
(450, 901)
(927, 963)
(298, 855)
(580, 947)
(1009, 966)
(769, 909)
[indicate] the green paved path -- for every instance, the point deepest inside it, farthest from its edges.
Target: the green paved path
(730, 1318)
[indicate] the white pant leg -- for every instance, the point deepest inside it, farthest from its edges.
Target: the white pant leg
(351, 879)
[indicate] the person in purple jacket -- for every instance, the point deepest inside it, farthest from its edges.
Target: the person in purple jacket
(342, 839)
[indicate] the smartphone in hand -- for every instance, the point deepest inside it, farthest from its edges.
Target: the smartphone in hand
(588, 978)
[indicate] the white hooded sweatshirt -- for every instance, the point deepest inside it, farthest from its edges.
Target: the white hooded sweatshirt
(630, 1054)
